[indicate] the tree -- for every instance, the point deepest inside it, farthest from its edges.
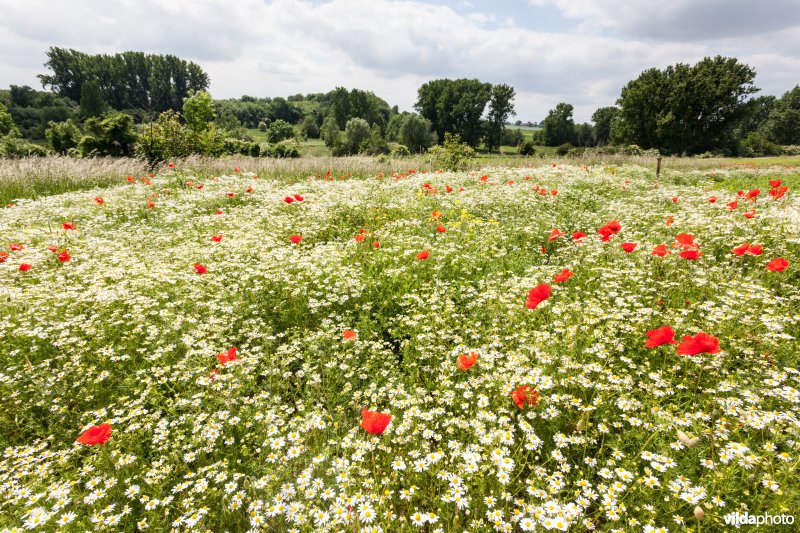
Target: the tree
(501, 107)
(602, 118)
(7, 126)
(330, 132)
(279, 130)
(112, 135)
(63, 136)
(92, 104)
(559, 128)
(357, 134)
(455, 106)
(683, 108)
(198, 111)
(416, 134)
(783, 124)
(309, 127)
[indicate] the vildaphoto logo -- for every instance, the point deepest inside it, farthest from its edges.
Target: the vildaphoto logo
(747, 519)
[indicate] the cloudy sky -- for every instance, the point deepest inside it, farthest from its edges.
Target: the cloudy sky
(577, 51)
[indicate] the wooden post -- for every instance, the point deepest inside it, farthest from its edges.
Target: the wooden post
(658, 166)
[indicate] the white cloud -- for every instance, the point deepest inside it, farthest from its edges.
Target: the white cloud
(391, 47)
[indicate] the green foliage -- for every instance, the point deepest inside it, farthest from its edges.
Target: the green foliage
(501, 107)
(757, 144)
(167, 139)
(63, 136)
(526, 148)
(198, 112)
(455, 106)
(262, 126)
(452, 154)
(112, 135)
(602, 118)
(7, 126)
(280, 130)
(14, 147)
(683, 108)
(92, 104)
(400, 151)
(563, 149)
(286, 149)
(330, 132)
(309, 127)
(129, 80)
(559, 128)
(783, 124)
(411, 130)
(346, 105)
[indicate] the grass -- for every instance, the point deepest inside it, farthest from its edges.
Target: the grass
(618, 437)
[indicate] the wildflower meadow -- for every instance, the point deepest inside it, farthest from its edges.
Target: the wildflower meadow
(559, 348)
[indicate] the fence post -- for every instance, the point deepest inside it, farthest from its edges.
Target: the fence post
(658, 166)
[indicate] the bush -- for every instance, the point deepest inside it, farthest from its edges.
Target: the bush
(756, 144)
(400, 150)
(113, 135)
(15, 147)
(452, 154)
(289, 148)
(262, 126)
(526, 148)
(63, 136)
(280, 130)
(563, 149)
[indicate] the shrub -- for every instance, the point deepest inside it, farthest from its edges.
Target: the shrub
(14, 147)
(563, 149)
(400, 150)
(280, 130)
(63, 136)
(452, 154)
(113, 135)
(526, 148)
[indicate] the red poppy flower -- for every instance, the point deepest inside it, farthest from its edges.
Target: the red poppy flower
(376, 245)
(249, 189)
(756, 249)
(200, 269)
(53, 248)
(171, 165)
(564, 275)
(700, 343)
(659, 336)
(675, 199)
(747, 249)
(660, 250)
(441, 229)
(448, 188)
(349, 335)
(374, 422)
(774, 183)
(360, 237)
(288, 199)
(230, 194)
(555, 234)
(219, 212)
(578, 235)
(296, 238)
(752, 195)
(216, 238)
(15, 247)
(750, 214)
(691, 255)
(733, 205)
(95, 435)
(525, 395)
(235, 169)
(538, 295)
(605, 234)
(436, 214)
(64, 256)
(4, 257)
(778, 192)
(685, 240)
(298, 198)
(628, 246)
(99, 200)
(778, 265)
(464, 362)
(24, 267)
(69, 225)
(226, 357)
(424, 254)
(130, 179)
(712, 199)
(199, 187)
(669, 221)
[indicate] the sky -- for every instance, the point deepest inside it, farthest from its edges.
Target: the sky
(577, 51)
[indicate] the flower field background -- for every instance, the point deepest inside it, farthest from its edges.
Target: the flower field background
(209, 349)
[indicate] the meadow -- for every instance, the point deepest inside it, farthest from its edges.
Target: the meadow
(378, 345)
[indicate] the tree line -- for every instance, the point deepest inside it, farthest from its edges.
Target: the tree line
(132, 98)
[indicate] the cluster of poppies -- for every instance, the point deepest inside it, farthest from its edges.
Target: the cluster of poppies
(700, 343)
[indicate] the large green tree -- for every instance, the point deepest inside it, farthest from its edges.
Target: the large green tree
(455, 106)
(783, 124)
(684, 108)
(602, 118)
(501, 107)
(559, 127)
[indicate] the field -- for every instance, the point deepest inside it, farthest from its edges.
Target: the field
(566, 346)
